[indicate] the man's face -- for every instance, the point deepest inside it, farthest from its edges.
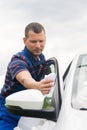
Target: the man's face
(35, 42)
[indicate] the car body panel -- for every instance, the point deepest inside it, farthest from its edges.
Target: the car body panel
(71, 117)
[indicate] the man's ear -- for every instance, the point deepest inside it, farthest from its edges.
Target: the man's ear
(24, 40)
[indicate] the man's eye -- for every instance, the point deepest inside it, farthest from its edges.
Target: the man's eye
(33, 41)
(41, 41)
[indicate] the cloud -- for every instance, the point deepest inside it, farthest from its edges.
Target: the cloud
(65, 22)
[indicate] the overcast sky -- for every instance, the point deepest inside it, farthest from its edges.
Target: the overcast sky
(65, 22)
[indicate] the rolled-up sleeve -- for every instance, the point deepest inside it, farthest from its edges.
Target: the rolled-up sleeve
(17, 65)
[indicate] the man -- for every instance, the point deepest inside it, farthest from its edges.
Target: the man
(24, 72)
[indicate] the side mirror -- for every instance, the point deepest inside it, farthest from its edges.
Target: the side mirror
(30, 103)
(26, 99)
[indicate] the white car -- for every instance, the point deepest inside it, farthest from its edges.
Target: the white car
(73, 113)
(71, 109)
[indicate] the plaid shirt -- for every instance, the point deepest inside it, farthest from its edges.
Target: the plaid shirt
(23, 60)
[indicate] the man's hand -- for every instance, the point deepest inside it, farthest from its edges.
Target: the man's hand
(45, 85)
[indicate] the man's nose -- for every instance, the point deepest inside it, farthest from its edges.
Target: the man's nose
(38, 44)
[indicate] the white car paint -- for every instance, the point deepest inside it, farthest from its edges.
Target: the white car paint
(71, 118)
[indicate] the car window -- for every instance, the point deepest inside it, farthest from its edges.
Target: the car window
(79, 92)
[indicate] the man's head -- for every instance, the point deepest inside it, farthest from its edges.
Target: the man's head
(35, 27)
(35, 38)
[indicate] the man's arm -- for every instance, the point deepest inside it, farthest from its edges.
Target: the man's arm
(25, 78)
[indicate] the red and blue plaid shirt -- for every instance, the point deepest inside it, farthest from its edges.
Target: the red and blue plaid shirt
(23, 60)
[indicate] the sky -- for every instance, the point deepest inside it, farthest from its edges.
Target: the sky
(65, 22)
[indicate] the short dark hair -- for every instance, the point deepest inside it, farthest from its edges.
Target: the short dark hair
(35, 27)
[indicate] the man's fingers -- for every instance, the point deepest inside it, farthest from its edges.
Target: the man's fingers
(47, 81)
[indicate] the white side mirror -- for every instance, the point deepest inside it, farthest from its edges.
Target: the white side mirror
(26, 99)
